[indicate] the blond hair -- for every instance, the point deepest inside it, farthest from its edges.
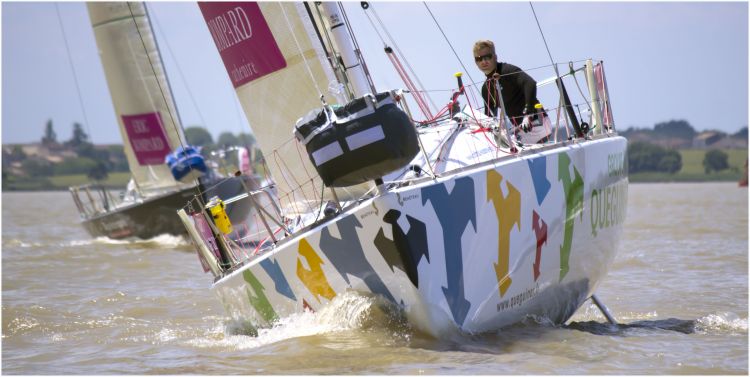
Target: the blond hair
(484, 43)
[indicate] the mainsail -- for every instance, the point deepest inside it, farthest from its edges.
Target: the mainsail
(139, 89)
(279, 69)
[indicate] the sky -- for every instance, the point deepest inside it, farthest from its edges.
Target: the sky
(663, 60)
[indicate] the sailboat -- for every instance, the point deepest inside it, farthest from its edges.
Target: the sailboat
(150, 128)
(454, 220)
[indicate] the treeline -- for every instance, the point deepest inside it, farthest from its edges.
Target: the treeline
(656, 150)
(678, 133)
(646, 157)
(78, 155)
(199, 136)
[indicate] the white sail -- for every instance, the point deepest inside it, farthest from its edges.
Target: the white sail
(278, 67)
(140, 93)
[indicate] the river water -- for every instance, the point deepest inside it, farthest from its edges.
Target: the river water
(76, 305)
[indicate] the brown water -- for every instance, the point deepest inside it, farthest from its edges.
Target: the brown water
(73, 305)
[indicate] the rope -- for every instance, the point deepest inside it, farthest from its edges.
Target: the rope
(299, 48)
(177, 64)
(153, 70)
(161, 90)
(448, 41)
(481, 128)
(279, 165)
(331, 55)
(321, 205)
(575, 79)
(72, 68)
(557, 73)
(376, 29)
(407, 80)
(299, 154)
(544, 39)
(398, 50)
(357, 50)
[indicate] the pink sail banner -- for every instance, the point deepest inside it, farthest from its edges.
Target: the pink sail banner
(601, 88)
(243, 39)
(147, 138)
(204, 230)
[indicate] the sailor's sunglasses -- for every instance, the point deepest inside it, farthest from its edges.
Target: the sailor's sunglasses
(483, 57)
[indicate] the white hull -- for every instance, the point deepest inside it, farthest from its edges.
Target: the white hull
(461, 251)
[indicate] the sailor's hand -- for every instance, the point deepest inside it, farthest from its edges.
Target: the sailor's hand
(531, 121)
(526, 125)
(535, 111)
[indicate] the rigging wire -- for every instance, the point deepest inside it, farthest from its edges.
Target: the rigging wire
(141, 74)
(328, 54)
(302, 53)
(161, 90)
(357, 50)
(544, 40)
(448, 41)
(580, 91)
(153, 70)
(152, 16)
(409, 84)
(339, 71)
(398, 50)
(376, 29)
(177, 64)
(164, 69)
(72, 68)
(554, 65)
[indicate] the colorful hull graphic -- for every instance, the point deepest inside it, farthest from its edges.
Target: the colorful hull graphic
(477, 250)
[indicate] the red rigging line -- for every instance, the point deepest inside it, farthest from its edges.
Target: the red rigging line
(482, 129)
(409, 84)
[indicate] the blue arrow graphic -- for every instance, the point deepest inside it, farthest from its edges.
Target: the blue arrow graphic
(454, 211)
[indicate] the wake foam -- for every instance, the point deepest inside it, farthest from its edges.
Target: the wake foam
(19, 243)
(726, 322)
(163, 240)
(347, 312)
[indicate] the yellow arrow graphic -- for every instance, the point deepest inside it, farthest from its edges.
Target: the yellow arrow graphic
(508, 211)
(314, 278)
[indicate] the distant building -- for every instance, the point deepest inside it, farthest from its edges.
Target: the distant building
(706, 139)
(730, 143)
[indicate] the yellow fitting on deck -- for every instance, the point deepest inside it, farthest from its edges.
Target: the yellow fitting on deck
(219, 213)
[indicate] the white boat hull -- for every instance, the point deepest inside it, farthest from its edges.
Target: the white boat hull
(476, 250)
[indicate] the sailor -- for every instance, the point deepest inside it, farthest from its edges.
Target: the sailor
(518, 91)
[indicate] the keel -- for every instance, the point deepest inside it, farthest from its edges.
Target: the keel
(603, 309)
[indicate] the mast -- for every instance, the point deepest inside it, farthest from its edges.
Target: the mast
(180, 130)
(139, 91)
(280, 71)
(353, 67)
